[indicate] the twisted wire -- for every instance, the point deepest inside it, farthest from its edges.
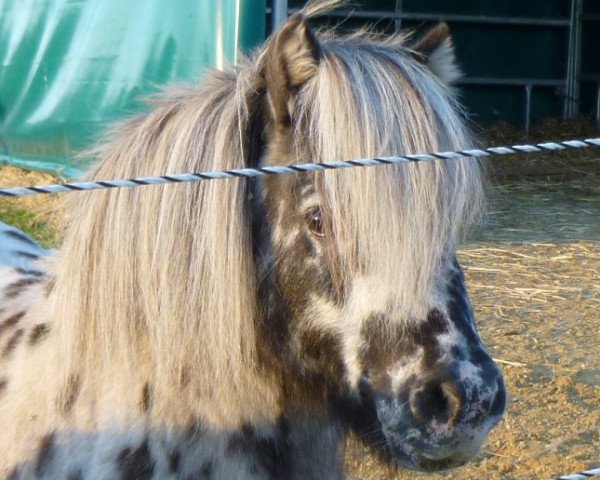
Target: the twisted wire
(298, 168)
(595, 472)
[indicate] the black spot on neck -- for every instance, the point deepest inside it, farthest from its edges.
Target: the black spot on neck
(28, 255)
(12, 343)
(11, 321)
(69, 395)
(16, 288)
(174, 462)
(21, 237)
(135, 464)
(38, 332)
(45, 455)
(269, 454)
(146, 399)
(30, 272)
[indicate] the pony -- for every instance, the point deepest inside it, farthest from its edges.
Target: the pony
(240, 329)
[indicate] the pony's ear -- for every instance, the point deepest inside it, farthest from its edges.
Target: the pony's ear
(436, 50)
(290, 59)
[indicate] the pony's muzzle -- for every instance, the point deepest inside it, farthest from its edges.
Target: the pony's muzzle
(441, 421)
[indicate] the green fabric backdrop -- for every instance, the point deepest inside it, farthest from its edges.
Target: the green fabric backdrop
(68, 68)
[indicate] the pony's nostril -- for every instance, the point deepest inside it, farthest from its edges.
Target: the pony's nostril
(440, 401)
(454, 401)
(498, 405)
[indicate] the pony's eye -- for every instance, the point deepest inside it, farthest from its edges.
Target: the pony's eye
(315, 222)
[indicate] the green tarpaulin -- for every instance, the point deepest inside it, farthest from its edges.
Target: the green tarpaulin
(68, 68)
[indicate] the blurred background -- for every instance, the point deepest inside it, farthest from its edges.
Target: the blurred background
(68, 68)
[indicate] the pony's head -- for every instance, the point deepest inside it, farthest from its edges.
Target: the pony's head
(365, 301)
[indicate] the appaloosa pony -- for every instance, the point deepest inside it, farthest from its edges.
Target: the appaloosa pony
(237, 329)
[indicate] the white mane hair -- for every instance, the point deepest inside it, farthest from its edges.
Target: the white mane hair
(160, 280)
(158, 283)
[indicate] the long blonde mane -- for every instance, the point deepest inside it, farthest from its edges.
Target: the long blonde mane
(162, 280)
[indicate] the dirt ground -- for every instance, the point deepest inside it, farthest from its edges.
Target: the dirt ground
(533, 271)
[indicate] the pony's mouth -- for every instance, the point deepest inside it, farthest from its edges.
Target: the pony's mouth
(427, 464)
(414, 458)
(404, 441)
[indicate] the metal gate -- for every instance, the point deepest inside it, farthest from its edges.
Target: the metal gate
(524, 61)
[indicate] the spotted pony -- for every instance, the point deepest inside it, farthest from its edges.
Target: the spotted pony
(240, 329)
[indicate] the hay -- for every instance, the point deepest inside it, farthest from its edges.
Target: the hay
(563, 273)
(525, 211)
(545, 165)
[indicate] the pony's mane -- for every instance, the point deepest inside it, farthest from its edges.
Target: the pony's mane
(168, 270)
(161, 279)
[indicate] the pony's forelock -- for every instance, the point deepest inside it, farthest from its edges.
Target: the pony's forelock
(371, 99)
